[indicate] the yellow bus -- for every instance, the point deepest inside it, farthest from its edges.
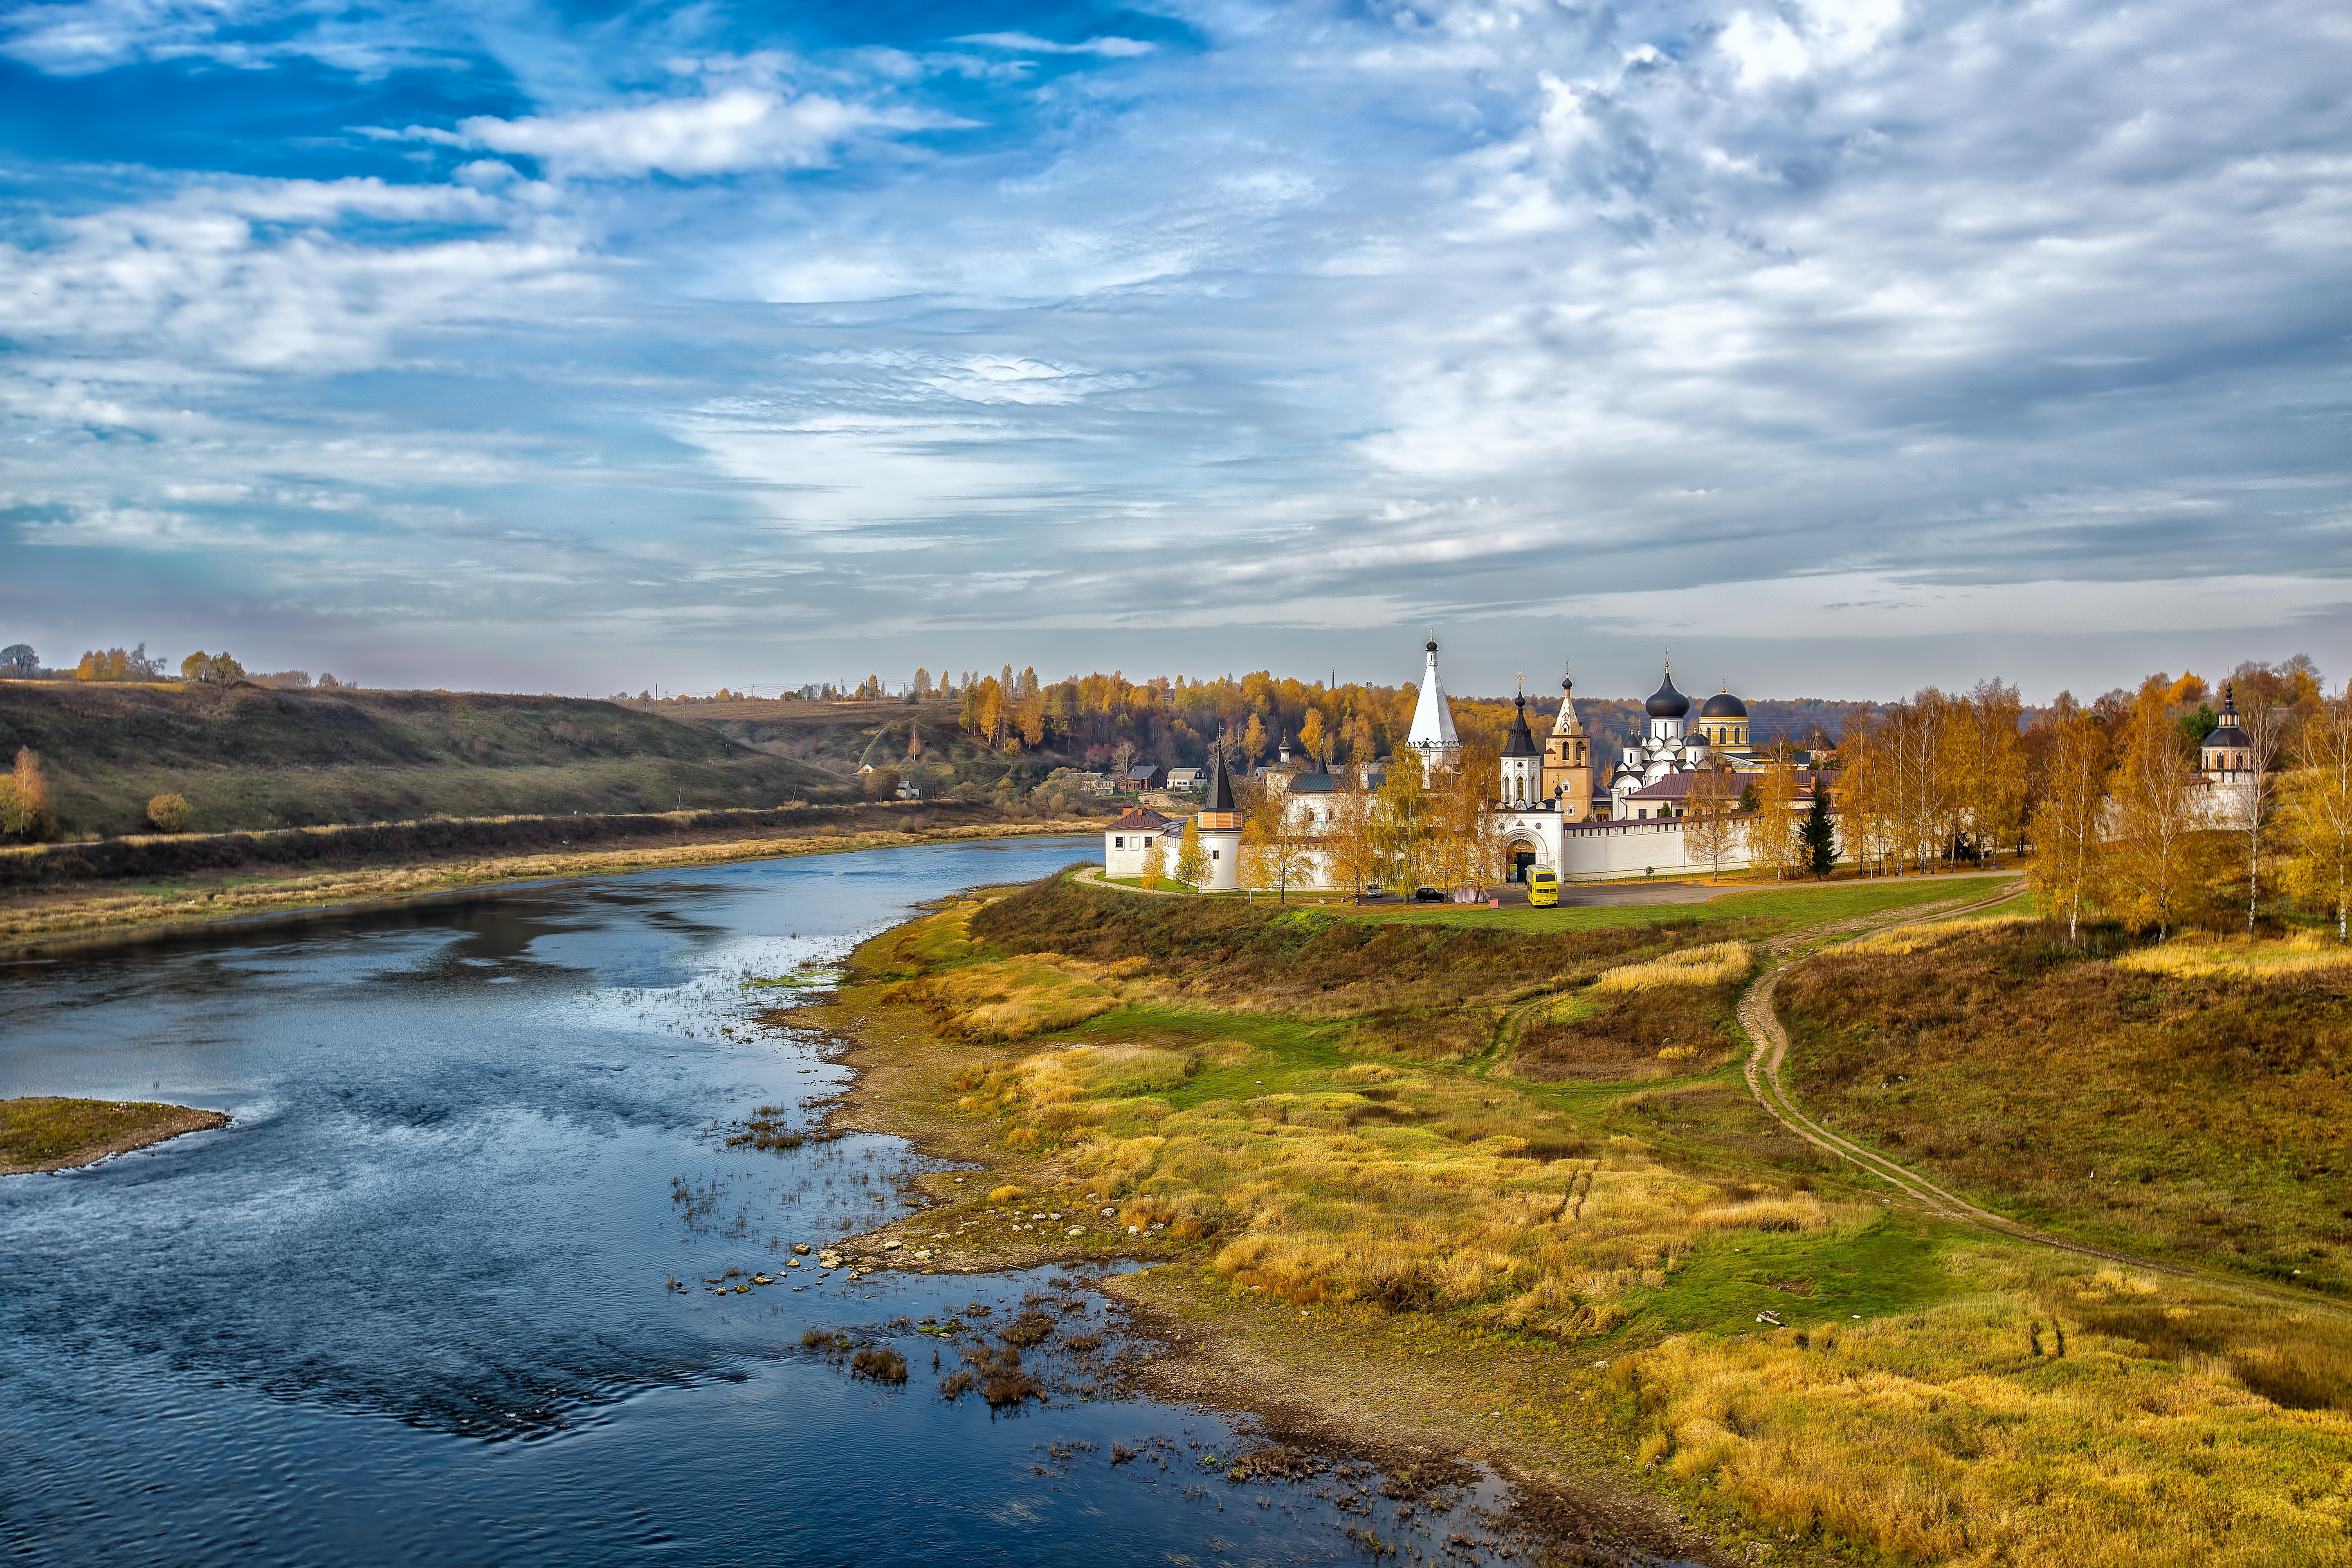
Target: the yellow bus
(1543, 889)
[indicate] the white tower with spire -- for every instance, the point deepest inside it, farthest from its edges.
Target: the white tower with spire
(1432, 721)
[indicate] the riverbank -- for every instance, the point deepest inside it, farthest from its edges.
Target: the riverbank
(35, 917)
(46, 1132)
(1500, 1192)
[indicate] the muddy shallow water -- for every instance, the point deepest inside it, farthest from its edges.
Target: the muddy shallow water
(417, 1302)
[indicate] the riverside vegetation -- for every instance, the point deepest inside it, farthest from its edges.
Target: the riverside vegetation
(49, 1133)
(1495, 1178)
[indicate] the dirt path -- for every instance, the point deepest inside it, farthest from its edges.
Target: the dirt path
(1770, 1049)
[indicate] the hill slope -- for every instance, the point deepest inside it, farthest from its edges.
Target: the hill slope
(248, 757)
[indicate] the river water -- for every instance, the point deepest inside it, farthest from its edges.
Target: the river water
(417, 1302)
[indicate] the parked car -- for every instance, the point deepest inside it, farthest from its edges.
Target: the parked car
(1428, 896)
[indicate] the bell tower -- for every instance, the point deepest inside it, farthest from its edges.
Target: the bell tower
(1568, 759)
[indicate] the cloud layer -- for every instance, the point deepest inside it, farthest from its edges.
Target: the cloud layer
(682, 347)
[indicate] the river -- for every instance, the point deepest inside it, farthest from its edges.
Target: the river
(417, 1302)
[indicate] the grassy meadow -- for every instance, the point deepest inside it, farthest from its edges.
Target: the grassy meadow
(1508, 1157)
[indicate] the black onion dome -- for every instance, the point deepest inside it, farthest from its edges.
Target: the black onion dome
(1724, 705)
(2227, 733)
(1665, 702)
(1522, 740)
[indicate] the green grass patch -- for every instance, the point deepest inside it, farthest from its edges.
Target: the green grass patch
(1882, 1268)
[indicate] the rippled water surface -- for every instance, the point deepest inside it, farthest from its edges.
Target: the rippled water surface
(414, 1302)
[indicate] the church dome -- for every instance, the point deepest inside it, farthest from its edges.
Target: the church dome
(1665, 702)
(1724, 705)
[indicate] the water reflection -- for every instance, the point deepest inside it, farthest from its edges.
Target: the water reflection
(417, 1301)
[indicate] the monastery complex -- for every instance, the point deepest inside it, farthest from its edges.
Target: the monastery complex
(1561, 809)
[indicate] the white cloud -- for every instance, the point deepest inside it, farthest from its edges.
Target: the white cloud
(728, 131)
(1030, 43)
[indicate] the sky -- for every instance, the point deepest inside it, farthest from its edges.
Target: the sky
(1833, 347)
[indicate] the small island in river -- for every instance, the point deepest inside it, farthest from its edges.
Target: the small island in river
(50, 1133)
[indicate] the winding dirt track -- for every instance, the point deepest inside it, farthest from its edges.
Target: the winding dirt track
(1769, 1049)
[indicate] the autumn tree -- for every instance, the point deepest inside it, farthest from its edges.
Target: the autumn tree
(1352, 840)
(2069, 848)
(1468, 838)
(1272, 857)
(1990, 767)
(1311, 736)
(1401, 821)
(2157, 859)
(169, 813)
(211, 670)
(1771, 832)
(1192, 859)
(1711, 819)
(2317, 810)
(24, 809)
(1253, 740)
(2247, 808)
(1155, 862)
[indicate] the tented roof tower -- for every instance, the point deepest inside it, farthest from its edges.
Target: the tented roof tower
(1433, 720)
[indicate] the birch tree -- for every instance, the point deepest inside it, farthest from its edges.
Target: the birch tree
(2158, 831)
(1710, 820)
(2317, 810)
(2068, 848)
(1772, 831)
(2248, 813)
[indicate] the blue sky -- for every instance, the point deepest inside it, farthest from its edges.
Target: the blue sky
(1837, 346)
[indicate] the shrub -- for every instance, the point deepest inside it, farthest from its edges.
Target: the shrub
(169, 813)
(879, 1364)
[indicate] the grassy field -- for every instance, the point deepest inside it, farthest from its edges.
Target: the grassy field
(2189, 1101)
(251, 758)
(47, 1133)
(1551, 1220)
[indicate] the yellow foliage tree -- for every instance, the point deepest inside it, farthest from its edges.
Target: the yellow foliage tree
(1351, 846)
(1401, 826)
(1155, 862)
(1772, 832)
(169, 813)
(24, 809)
(2069, 848)
(2160, 846)
(2317, 811)
(1467, 840)
(1192, 859)
(1253, 740)
(1311, 736)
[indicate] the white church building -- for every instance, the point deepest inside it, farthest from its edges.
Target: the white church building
(1556, 816)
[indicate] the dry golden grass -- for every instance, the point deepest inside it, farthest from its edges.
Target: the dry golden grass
(2197, 955)
(1717, 963)
(1430, 1196)
(1012, 999)
(2041, 1410)
(2057, 1417)
(1918, 938)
